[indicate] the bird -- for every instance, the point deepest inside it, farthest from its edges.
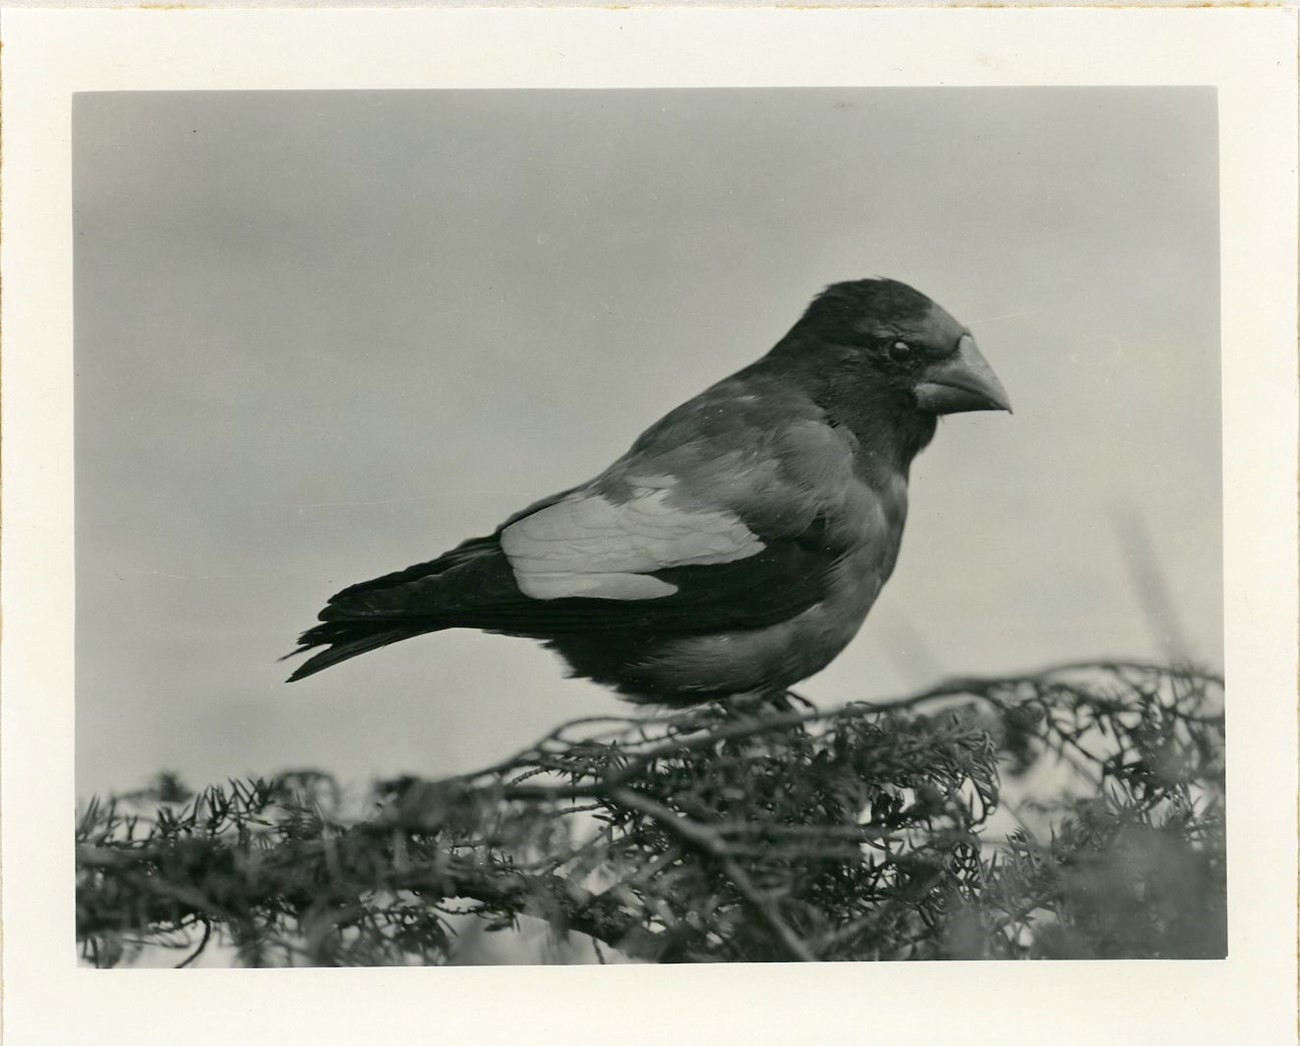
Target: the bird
(737, 547)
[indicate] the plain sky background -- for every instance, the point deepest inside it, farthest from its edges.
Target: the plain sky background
(324, 335)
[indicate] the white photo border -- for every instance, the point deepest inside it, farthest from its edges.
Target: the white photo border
(1247, 55)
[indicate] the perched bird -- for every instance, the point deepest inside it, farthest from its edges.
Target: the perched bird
(738, 545)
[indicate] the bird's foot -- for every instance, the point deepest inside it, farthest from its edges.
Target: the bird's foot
(769, 702)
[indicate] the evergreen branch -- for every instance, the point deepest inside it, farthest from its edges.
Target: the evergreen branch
(720, 833)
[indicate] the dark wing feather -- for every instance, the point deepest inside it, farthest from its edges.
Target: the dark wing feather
(479, 591)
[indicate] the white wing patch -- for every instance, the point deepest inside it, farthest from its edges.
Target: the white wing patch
(589, 546)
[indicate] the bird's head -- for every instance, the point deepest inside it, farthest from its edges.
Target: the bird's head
(868, 342)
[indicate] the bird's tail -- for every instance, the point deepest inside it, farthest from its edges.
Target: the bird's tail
(346, 639)
(424, 598)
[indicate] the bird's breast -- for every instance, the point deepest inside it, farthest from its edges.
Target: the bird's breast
(770, 658)
(866, 534)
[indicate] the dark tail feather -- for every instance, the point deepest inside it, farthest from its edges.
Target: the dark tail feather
(346, 639)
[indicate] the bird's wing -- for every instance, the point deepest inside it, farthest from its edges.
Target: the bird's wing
(589, 565)
(719, 518)
(705, 536)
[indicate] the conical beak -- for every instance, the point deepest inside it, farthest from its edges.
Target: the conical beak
(961, 382)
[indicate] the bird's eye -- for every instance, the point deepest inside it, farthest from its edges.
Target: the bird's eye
(900, 352)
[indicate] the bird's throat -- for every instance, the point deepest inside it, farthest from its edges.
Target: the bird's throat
(889, 429)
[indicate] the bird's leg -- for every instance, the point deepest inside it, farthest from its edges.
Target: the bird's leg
(767, 702)
(800, 699)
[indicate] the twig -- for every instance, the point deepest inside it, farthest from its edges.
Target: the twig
(707, 839)
(207, 934)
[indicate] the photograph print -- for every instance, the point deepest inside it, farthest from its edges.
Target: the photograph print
(648, 526)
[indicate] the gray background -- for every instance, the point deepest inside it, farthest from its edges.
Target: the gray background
(323, 335)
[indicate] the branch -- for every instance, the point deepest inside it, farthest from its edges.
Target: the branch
(718, 833)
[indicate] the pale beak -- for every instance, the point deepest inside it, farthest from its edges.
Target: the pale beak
(960, 383)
